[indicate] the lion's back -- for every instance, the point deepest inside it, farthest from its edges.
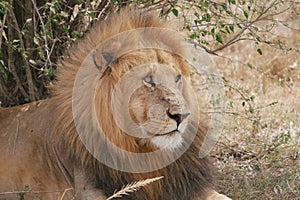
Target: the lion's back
(24, 157)
(19, 120)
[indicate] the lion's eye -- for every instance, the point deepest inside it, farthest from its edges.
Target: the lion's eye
(148, 81)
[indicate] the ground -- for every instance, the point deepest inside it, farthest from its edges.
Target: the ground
(258, 153)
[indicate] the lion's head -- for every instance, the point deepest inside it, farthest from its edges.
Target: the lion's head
(151, 101)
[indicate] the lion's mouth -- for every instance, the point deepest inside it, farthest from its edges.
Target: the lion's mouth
(168, 133)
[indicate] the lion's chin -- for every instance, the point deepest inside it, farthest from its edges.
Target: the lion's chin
(168, 141)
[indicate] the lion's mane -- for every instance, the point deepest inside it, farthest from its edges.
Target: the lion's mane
(183, 178)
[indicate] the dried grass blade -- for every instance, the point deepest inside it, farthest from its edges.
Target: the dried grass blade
(132, 187)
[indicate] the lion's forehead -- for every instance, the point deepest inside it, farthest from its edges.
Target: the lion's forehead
(164, 74)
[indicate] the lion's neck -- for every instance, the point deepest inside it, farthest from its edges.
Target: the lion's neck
(187, 176)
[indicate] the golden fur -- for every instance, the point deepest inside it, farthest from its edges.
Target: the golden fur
(40, 146)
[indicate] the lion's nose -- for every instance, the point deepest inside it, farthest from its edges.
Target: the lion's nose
(178, 117)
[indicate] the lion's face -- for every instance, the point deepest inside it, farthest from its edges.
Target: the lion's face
(159, 107)
(152, 102)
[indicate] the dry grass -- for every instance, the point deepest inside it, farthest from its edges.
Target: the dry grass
(132, 187)
(258, 154)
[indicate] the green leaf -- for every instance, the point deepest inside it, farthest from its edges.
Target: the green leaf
(224, 5)
(231, 1)
(91, 14)
(194, 35)
(65, 29)
(49, 35)
(204, 42)
(24, 31)
(259, 51)
(251, 110)
(55, 21)
(231, 104)
(57, 6)
(212, 31)
(52, 10)
(4, 70)
(227, 29)
(250, 65)
(197, 21)
(188, 28)
(206, 17)
(231, 27)
(175, 12)
(203, 33)
(219, 38)
(246, 14)
(41, 53)
(75, 34)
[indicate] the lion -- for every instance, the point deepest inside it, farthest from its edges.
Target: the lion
(52, 149)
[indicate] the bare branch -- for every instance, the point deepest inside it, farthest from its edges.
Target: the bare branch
(48, 60)
(22, 49)
(10, 61)
(249, 24)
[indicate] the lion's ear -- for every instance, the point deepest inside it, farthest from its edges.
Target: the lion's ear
(106, 54)
(102, 60)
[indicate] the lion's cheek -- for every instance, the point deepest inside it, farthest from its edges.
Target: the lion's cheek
(137, 111)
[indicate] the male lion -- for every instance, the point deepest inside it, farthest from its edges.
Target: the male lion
(120, 113)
